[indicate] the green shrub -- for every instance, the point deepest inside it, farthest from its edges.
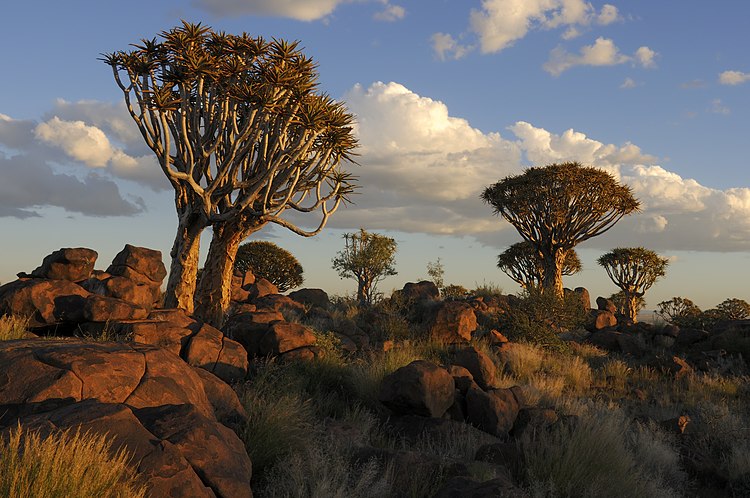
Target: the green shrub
(64, 465)
(267, 260)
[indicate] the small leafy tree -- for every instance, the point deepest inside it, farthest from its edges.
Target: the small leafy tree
(558, 206)
(368, 258)
(267, 260)
(634, 270)
(734, 309)
(679, 311)
(436, 271)
(526, 267)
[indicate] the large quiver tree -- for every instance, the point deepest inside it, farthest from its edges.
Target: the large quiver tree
(522, 263)
(558, 206)
(634, 270)
(242, 134)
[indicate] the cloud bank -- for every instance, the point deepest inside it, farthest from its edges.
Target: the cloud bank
(603, 52)
(301, 10)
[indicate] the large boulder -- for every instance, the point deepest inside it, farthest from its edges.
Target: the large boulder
(604, 304)
(494, 411)
(452, 322)
(139, 264)
(249, 327)
(144, 398)
(283, 337)
(140, 294)
(261, 287)
(72, 264)
(481, 366)
(311, 297)
(419, 388)
(210, 350)
(46, 302)
(420, 291)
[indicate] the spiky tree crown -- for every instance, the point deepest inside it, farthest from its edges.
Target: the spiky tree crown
(633, 269)
(522, 263)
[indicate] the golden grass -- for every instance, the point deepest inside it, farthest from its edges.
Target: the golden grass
(64, 465)
(13, 327)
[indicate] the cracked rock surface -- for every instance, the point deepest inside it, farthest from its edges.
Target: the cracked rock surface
(143, 397)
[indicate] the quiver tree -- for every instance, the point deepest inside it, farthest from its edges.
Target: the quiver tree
(634, 270)
(734, 309)
(679, 311)
(242, 134)
(522, 263)
(620, 302)
(368, 258)
(558, 206)
(267, 260)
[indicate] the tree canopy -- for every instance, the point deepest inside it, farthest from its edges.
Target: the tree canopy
(267, 260)
(558, 206)
(634, 270)
(368, 258)
(242, 133)
(522, 263)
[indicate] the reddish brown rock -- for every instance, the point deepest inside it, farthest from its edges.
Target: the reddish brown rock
(142, 295)
(164, 335)
(227, 407)
(482, 369)
(419, 388)
(605, 304)
(175, 316)
(139, 264)
(72, 264)
(260, 288)
(494, 412)
(420, 291)
(452, 322)
(46, 302)
(284, 336)
(602, 319)
(210, 350)
(278, 302)
(101, 309)
(311, 297)
(249, 328)
(306, 353)
(462, 378)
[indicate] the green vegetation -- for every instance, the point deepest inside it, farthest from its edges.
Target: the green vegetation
(558, 206)
(368, 258)
(64, 465)
(267, 260)
(634, 270)
(522, 263)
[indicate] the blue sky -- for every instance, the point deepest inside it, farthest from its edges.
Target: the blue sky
(450, 97)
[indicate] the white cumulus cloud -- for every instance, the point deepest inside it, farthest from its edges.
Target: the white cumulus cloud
(500, 23)
(446, 47)
(603, 52)
(733, 77)
(390, 13)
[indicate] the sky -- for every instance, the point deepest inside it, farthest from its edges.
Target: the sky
(449, 97)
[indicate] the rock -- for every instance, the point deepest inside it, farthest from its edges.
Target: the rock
(174, 316)
(494, 412)
(464, 487)
(139, 264)
(241, 282)
(584, 296)
(306, 353)
(260, 288)
(601, 319)
(605, 339)
(504, 453)
(688, 336)
(143, 295)
(462, 378)
(671, 330)
(284, 336)
(679, 367)
(142, 397)
(482, 369)
(311, 297)
(72, 264)
(605, 304)
(210, 350)
(534, 419)
(101, 309)
(278, 302)
(249, 328)
(164, 335)
(420, 291)
(497, 338)
(676, 425)
(419, 388)
(452, 322)
(46, 302)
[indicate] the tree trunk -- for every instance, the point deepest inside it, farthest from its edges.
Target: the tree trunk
(631, 306)
(183, 270)
(553, 266)
(215, 287)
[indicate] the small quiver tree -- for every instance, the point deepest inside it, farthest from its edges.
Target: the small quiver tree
(526, 267)
(734, 309)
(620, 302)
(242, 134)
(680, 311)
(558, 206)
(267, 260)
(634, 270)
(368, 258)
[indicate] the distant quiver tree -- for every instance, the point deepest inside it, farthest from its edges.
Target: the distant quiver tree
(267, 260)
(242, 133)
(558, 206)
(522, 263)
(368, 258)
(634, 270)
